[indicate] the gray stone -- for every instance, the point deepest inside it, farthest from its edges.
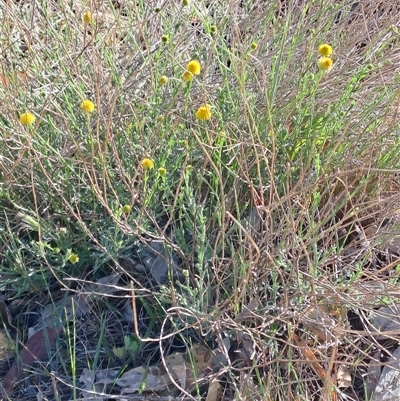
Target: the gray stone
(159, 260)
(388, 388)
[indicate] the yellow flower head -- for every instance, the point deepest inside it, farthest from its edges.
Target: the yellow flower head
(204, 112)
(147, 164)
(163, 80)
(87, 17)
(194, 67)
(27, 118)
(165, 38)
(187, 76)
(162, 171)
(74, 258)
(325, 50)
(87, 106)
(126, 209)
(253, 46)
(325, 63)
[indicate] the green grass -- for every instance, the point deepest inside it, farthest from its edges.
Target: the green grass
(316, 152)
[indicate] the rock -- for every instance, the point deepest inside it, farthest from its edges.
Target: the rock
(159, 260)
(388, 388)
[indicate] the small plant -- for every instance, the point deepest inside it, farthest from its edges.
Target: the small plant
(200, 172)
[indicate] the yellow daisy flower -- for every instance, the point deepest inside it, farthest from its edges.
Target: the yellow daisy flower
(27, 118)
(87, 17)
(74, 258)
(194, 67)
(325, 50)
(325, 63)
(187, 76)
(162, 171)
(87, 106)
(204, 112)
(163, 80)
(126, 209)
(147, 164)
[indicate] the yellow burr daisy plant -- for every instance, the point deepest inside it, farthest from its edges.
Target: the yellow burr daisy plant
(87, 106)
(187, 76)
(87, 17)
(325, 50)
(27, 118)
(194, 67)
(74, 258)
(126, 209)
(204, 112)
(163, 80)
(162, 171)
(147, 164)
(325, 63)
